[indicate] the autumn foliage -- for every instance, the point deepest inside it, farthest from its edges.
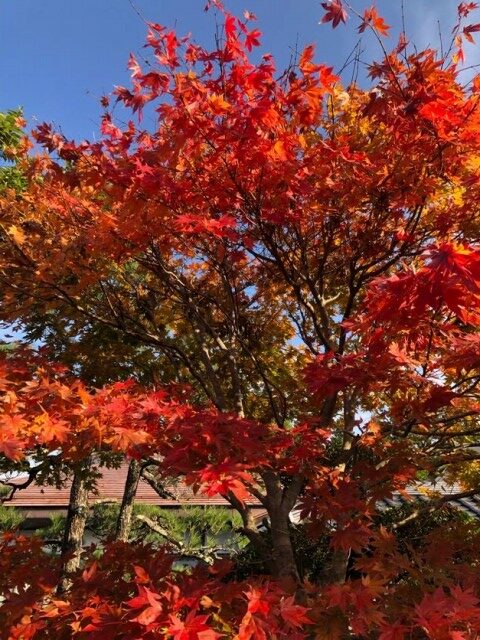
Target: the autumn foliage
(271, 294)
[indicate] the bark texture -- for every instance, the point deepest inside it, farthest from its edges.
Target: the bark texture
(74, 528)
(124, 521)
(280, 500)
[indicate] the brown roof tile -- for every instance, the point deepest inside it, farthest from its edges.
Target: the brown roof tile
(110, 487)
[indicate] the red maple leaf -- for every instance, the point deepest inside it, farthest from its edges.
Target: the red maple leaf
(252, 39)
(193, 628)
(150, 601)
(469, 29)
(464, 8)
(335, 12)
(257, 603)
(294, 614)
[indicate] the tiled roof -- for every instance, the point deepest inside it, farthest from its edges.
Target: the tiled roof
(424, 493)
(110, 486)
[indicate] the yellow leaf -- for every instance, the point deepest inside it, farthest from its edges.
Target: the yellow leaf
(218, 104)
(278, 151)
(17, 234)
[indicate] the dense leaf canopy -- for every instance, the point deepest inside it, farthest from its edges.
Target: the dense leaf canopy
(271, 294)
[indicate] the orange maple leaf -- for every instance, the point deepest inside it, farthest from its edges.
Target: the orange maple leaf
(218, 104)
(123, 438)
(372, 19)
(50, 429)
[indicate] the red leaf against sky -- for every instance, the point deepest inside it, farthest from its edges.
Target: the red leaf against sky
(335, 12)
(252, 39)
(464, 8)
(469, 29)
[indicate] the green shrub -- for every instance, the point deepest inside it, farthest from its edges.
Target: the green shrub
(10, 518)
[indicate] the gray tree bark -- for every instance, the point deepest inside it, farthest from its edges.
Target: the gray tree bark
(124, 521)
(71, 549)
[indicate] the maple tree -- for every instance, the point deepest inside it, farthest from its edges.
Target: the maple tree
(272, 295)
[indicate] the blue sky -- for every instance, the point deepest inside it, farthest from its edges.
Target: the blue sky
(57, 57)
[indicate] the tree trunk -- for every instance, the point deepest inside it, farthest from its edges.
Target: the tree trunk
(74, 528)
(335, 570)
(124, 521)
(280, 500)
(283, 561)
